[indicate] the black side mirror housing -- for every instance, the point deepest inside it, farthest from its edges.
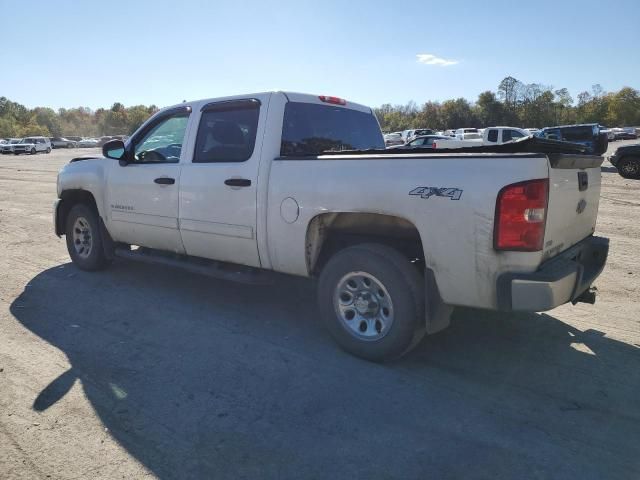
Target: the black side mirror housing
(115, 150)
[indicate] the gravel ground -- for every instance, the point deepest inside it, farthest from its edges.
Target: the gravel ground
(141, 371)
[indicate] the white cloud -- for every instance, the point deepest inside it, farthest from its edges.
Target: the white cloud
(429, 59)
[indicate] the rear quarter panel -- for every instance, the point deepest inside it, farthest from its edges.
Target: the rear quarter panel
(457, 235)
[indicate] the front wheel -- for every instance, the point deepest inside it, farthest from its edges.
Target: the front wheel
(84, 240)
(33, 151)
(49, 150)
(371, 299)
(629, 167)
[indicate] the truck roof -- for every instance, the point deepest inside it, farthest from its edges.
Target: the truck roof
(291, 96)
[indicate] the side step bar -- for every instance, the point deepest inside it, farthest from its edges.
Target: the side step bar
(201, 266)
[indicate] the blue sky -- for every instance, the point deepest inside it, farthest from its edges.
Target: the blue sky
(142, 52)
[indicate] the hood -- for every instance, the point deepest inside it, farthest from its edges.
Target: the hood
(80, 159)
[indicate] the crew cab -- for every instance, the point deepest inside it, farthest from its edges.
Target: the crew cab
(466, 137)
(303, 185)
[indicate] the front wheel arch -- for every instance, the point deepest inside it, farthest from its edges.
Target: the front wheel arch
(70, 198)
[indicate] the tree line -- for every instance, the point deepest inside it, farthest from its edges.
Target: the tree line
(16, 120)
(517, 104)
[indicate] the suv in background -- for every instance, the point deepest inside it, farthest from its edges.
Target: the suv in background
(588, 135)
(32, 145)
(626, 159)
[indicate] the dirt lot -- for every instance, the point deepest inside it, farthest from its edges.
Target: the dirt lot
(141, 371)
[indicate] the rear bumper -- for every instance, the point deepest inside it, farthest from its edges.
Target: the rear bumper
(562, 279)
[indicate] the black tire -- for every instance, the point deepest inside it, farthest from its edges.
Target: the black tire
(96, 258)
(405, 288)
(629, 167)
(33, 151)
(49, 150)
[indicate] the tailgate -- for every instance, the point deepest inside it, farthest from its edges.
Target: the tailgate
(574, 194)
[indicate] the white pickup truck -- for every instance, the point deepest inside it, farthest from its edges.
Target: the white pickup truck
(466, 137)
(270, 181)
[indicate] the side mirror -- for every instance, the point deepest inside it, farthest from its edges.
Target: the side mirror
(114, 149)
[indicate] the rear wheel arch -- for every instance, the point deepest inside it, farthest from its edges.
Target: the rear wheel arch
(328, 233)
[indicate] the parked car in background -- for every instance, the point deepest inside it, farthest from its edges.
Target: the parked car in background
(587, 134)
(626, 159)
(104, 139)
(532, 131)
(611, 135)
(467, 134)
(393, 139)
(490, 136)
(88, 143)
(32, 145)
(500, 135)
(627, 133)
(409, 135)
(61, 142)
(449, 133)
(74, 138)
(426, 141)
(8, 146)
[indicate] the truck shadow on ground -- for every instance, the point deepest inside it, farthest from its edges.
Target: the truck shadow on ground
(198, 378)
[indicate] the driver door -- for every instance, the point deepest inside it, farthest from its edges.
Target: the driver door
(143, 193)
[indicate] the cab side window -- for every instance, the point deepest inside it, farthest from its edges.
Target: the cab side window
(227, 132)
(492, 136)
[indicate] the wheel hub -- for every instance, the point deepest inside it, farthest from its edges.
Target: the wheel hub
(363, 305)
(82, 238)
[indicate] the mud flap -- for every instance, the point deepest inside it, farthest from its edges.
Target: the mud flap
(437, 313)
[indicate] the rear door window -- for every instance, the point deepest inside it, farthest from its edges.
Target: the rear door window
(492, 136)
(310, 129)
(227, 131)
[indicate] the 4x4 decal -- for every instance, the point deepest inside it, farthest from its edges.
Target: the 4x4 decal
(428, 192)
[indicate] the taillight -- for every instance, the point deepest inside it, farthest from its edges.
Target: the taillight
(334, 100)
(521, 213)
(434, 145)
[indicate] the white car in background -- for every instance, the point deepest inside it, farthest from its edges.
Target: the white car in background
(467, 134)
(7, 147)
(88, 143)
(32, 145)
(393, 139)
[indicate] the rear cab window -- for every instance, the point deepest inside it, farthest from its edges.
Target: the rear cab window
(311, 129)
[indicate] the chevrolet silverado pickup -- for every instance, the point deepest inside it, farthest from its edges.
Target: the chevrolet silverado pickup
(303, 185)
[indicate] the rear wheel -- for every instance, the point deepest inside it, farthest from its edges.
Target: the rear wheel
(49, 150)
(629, 167)
(84, 240)
(33, 151)
(371, 300)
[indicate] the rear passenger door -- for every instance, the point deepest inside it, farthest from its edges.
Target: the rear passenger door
(218, 186)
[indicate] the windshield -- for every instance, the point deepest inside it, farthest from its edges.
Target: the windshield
(310, 129)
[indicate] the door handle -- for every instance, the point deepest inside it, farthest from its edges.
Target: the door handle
(238, 182)
(165, 181)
